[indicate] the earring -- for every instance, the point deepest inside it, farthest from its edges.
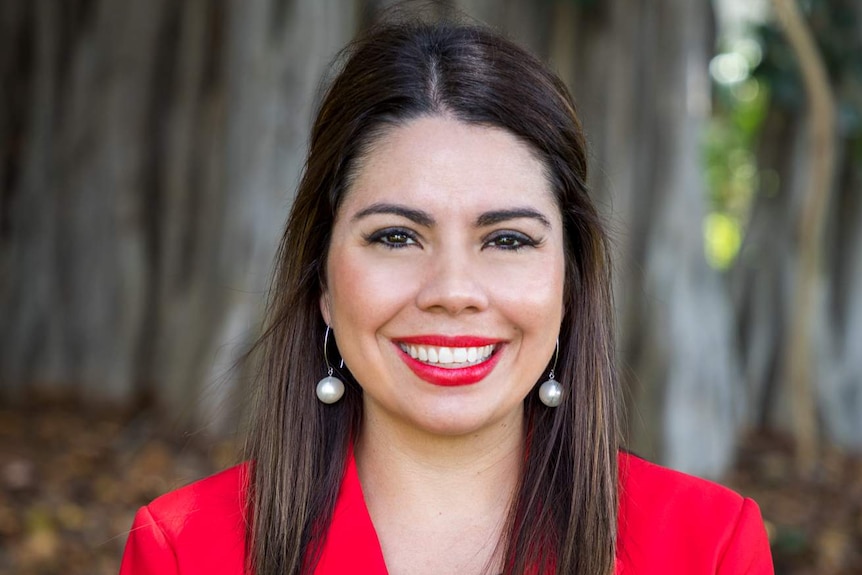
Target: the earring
(551, 392)
(329, 389)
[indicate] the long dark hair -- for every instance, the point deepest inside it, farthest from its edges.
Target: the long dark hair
(564, 514)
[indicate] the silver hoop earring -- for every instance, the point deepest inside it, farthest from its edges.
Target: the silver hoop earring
(329, 389)
(551, 392)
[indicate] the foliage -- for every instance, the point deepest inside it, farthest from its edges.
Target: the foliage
(836, 28)
(753, 73)
(731, 166)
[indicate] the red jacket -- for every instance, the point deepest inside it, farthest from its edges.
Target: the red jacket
(670, 523)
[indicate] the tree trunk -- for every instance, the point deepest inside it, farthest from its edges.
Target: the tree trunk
(768, 267)
(76, 241)
(233, 158)
(840, 382)
(763, 274)
(640, 78)
(821, 155)
(155, 171)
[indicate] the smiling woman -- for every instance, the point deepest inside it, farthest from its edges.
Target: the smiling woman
(448, 242)
(442, 259)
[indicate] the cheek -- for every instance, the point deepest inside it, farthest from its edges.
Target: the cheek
(364, 295)
(536, 316)
(531, 294)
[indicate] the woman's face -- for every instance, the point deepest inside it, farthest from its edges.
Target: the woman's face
(445, 276)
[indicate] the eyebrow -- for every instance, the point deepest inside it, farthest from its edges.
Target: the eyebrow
(425, 219)
(498, 216)
(418, 216)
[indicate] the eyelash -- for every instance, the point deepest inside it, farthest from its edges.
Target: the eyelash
(385, 236)
(522, 240)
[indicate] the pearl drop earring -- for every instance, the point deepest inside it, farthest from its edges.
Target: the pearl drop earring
(551, 392)
(329, 389)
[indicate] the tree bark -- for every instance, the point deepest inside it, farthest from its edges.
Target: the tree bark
(270, 100)
(157, 163)
(763, 272)
(769, 267)
(821, 154)
(76, 231)
(839, 371)
(641, 82)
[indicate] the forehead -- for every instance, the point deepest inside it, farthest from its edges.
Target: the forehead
(446, 163)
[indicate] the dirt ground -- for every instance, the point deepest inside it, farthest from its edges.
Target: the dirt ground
(70, 482)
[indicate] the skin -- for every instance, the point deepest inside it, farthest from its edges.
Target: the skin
(438, 464)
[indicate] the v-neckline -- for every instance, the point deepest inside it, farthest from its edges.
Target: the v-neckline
(351, 542)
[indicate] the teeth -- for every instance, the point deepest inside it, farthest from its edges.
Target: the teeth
(444, 355)
(449, 356)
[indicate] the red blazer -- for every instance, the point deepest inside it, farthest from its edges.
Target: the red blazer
(669, 523)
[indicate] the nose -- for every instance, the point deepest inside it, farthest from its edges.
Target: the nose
(453, 284)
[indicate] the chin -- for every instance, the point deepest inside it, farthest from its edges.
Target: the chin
(460, 422)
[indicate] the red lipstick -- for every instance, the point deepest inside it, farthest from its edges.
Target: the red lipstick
(449, 376)
(449, 340)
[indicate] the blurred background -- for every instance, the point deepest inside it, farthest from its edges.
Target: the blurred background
(148, 156)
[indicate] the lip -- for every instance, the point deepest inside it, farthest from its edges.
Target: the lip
(449, 377)
(449, 340)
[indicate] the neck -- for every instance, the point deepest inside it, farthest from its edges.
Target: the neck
(433, 470)
(439, 503)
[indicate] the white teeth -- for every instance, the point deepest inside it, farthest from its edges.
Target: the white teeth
(444, 355)
(454, 356)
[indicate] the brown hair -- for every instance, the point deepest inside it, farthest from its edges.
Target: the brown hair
(564, 514)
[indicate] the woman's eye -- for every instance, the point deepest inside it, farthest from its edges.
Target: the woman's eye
(510, 241)
(392, 238)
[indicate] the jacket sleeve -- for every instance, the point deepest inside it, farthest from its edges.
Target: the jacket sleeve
(148, 549)
(747, 550)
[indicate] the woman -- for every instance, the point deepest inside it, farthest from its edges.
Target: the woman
(445, 277)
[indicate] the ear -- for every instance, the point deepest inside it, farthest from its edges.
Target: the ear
(324, 307)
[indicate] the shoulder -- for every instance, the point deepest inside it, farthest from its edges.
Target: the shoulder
(686, 524)
(645, 484)
(199, 528)
(220, 496)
